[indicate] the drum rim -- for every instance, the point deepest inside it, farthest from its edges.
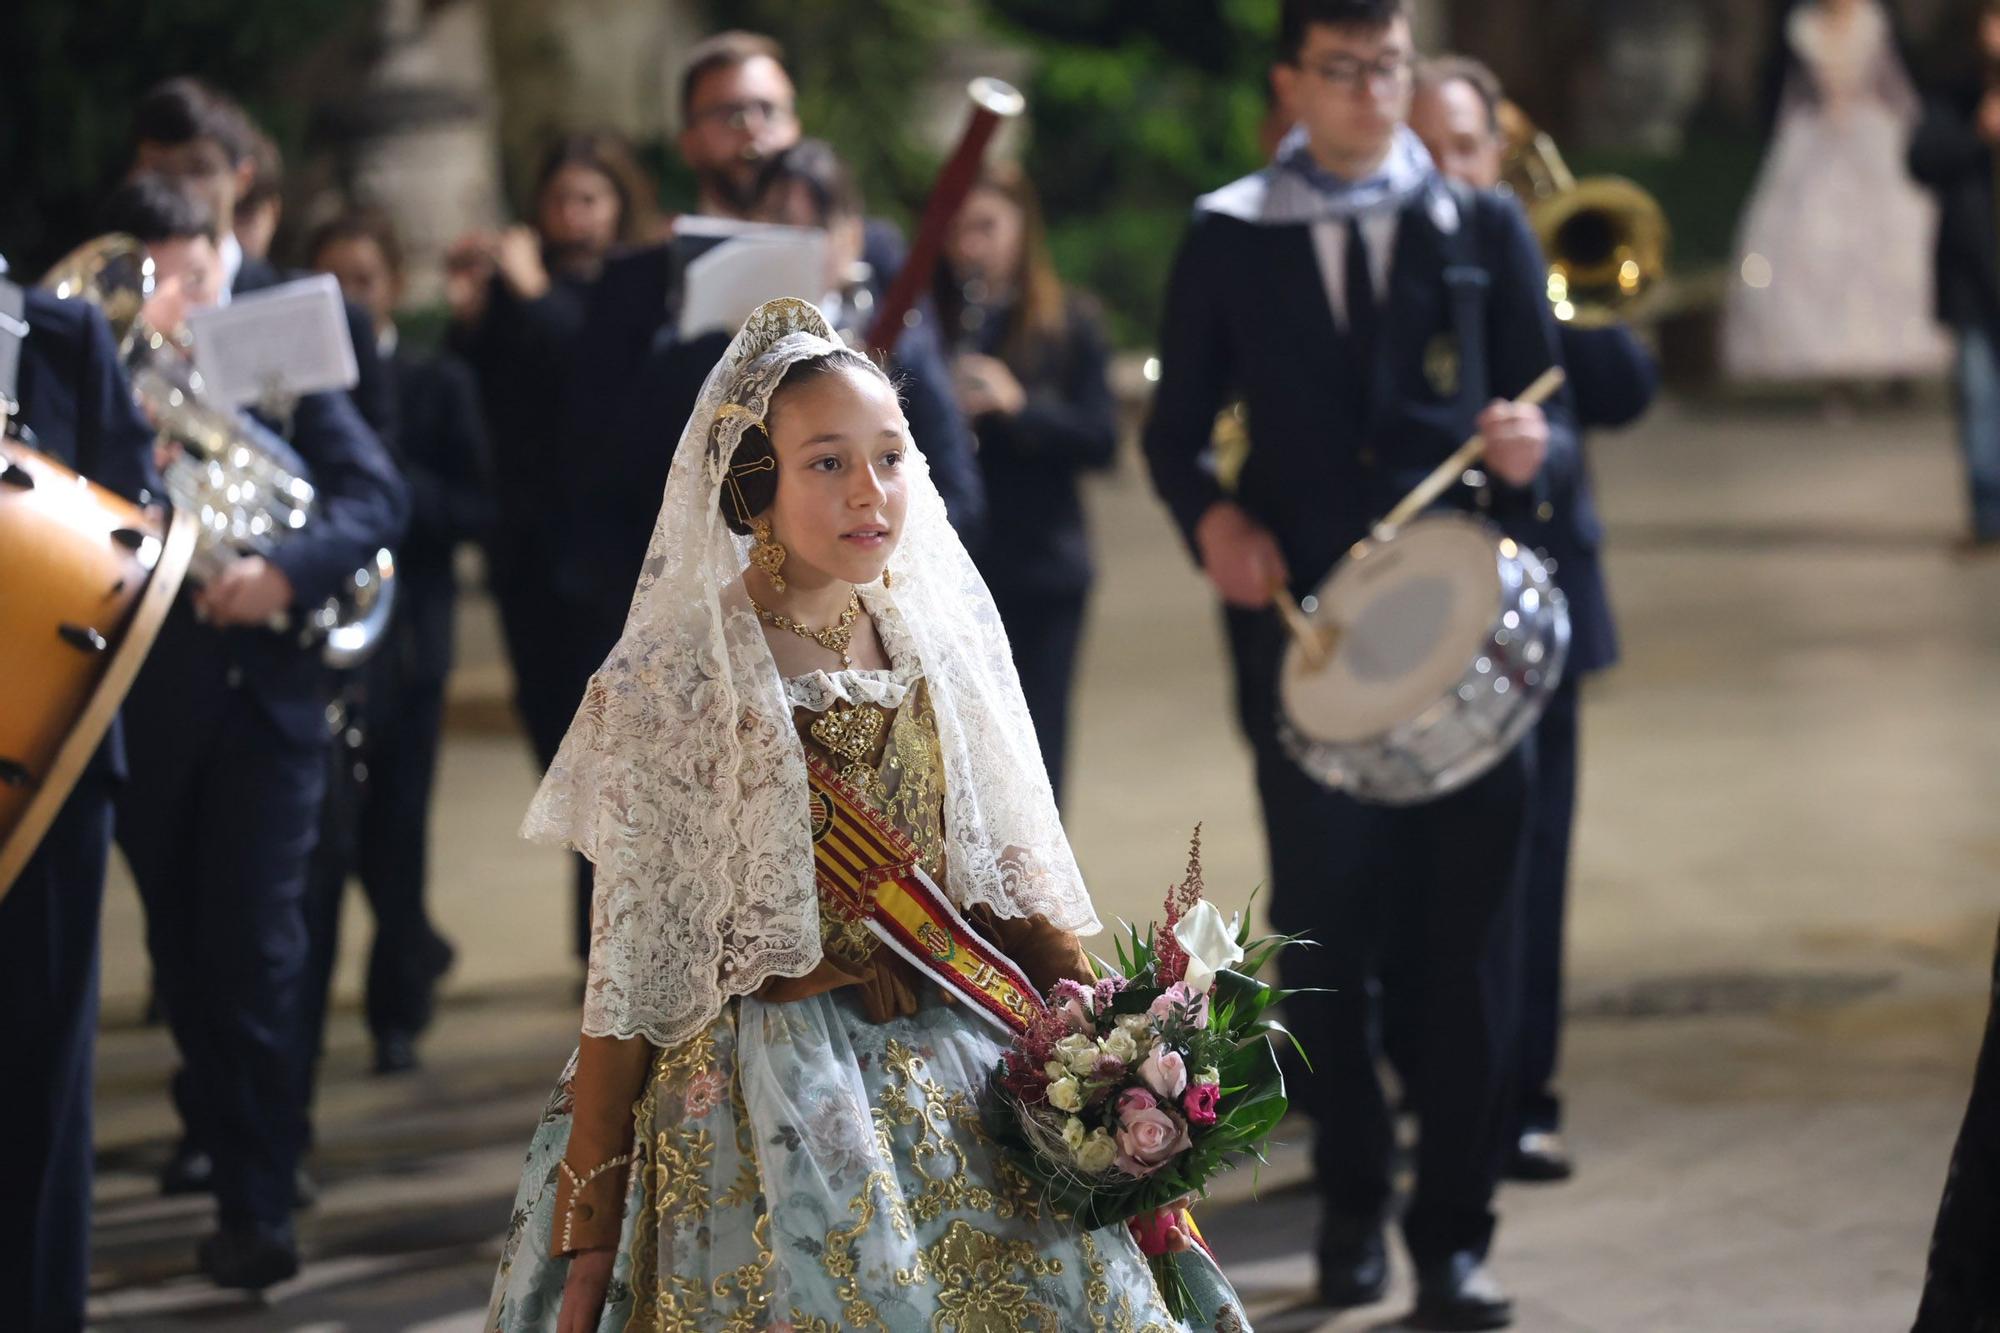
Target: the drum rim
(141, 627)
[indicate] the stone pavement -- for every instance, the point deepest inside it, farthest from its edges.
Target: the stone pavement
(1785, 897)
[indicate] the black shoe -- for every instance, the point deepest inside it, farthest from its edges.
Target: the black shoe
(1353, 1262)
(188, 1171)
(395, 1052)
(1458, 1293)
(1540, 1157)
(250, 1257)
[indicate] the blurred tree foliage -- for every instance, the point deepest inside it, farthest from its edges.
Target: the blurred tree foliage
(73, 71)
(1136, 108)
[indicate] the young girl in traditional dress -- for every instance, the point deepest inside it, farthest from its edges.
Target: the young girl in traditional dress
(811, 720)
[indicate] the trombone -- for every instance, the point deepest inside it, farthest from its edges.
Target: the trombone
(1605, 238)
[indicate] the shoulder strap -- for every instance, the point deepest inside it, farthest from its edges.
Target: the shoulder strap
(13, 332)
(1467, 279)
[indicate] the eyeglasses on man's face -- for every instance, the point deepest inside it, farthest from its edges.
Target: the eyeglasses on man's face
(1353, 74)
(742, 115)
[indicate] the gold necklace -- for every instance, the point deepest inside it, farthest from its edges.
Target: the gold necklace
(834, 638)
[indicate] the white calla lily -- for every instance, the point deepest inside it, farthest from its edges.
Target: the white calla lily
(1210, 943)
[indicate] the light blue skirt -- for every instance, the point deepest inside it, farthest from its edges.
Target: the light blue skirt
(798, 1167)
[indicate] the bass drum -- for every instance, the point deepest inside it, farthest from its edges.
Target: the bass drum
(1446, 640)
(86, 579)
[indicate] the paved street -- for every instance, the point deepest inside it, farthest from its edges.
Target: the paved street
(1785, 905)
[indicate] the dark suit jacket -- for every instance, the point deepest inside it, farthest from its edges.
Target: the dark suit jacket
(522, 354)
(1948, 155)
(76, 402)
(1614, 379)
(441, 450)
(1037, 541)
(1247, 312)
(362, 505)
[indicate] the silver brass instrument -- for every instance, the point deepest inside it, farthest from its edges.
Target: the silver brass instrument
(246, 488)
(1605, 238)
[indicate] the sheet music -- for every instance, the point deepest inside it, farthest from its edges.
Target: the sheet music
(754, 263)
(276, 345)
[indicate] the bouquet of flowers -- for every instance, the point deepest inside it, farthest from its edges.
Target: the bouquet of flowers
(1124, 1098)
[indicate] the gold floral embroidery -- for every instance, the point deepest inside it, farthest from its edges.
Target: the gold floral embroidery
(852, 732)
(945, 1122)
(913, 766)
(981, 1290)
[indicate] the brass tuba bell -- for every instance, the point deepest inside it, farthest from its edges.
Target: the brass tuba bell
(1605, 238)
(246, 488)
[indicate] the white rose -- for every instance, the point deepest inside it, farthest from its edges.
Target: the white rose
(1073, 1134)
(1078, 1053)
(1210, 944)
(1054, 1070)
(1098, 1152)
(1209, 1075)
(1120, 1046)
(1139, 1025)
(1065, 1094)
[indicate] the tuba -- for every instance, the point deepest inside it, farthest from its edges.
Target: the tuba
(1605, 238)
(245, 487)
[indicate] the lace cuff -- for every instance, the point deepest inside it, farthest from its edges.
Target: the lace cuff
(590, 1207)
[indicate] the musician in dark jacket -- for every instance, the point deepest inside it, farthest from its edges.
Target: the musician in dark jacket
(1612, 380)
(517, 301)
(226, 729)
(1953, 154)
(185, 130)
(1372, 317)
(1030, 366)
(380, 797)
(76, 407)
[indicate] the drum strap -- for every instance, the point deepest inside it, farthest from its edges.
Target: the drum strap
(1467, 279)
(13, 332)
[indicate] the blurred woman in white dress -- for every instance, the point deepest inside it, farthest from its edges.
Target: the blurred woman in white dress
(1831, 279)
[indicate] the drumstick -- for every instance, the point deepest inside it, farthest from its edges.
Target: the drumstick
(1447, 472)
(1308, 638)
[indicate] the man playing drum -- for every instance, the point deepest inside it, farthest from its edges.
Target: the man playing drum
(1371, 316)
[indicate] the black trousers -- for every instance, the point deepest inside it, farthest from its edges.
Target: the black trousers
(1045, 631)
(544, 647)
(1437, 886)
(1545, 908)
(218, 822)
(1962, 1285)
(376, 826)
(48, 1029)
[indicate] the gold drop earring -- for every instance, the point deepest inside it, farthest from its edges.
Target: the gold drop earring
(766, 553)
(888, 579)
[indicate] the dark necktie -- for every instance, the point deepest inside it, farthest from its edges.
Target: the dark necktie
(1363, 309)
(1363, 312)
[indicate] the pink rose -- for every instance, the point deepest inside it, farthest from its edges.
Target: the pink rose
(1134, 1100)
(1149, 1139)
(1165, 1071)
(1180, 996)
(1200, 1103)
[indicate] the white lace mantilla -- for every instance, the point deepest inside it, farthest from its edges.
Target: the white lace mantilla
(683, 780)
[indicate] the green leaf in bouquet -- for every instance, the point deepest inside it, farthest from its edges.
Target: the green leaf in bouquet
(1243, 999)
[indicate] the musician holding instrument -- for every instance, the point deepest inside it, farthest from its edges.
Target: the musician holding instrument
(1456, 111)
(66, 398)
(1373, 315)
(227, 733)
(1030, 362)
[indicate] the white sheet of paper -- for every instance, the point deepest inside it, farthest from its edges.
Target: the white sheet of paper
(283, 342)
(756, 264)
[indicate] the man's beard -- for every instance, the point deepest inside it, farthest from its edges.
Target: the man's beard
(733, 188)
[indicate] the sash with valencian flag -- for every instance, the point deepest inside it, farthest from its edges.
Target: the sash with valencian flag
(868, 872)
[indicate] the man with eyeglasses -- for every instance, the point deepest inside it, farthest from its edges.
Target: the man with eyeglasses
(1371, 315)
